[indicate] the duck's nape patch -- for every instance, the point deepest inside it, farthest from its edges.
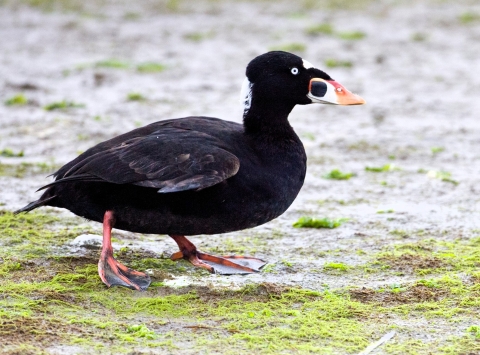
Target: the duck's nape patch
(246, 94)
(307, 64)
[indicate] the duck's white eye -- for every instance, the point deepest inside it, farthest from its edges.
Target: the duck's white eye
(294, 71)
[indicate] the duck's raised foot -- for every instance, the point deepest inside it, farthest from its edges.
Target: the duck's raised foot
(114, 273)
(223, 265)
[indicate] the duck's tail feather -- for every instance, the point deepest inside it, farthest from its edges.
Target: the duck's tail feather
(35, 204)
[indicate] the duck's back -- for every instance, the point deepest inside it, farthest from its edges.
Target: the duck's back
(259, 181)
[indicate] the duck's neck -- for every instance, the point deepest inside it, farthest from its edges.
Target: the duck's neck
(268, 119)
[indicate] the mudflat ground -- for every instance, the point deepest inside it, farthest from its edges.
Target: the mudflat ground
(407, 255)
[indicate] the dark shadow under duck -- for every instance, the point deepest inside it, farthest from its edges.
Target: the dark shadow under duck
(199, 175)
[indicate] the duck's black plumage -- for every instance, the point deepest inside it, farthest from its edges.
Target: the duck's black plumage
(164, 185)
(199, 175)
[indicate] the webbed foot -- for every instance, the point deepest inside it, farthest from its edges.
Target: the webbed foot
(114, 273)
(224, 265)
(110, 270)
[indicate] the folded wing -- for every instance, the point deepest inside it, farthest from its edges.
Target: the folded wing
(170, 159)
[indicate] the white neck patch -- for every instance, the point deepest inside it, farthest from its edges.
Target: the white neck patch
(307, 64)
(246, 95)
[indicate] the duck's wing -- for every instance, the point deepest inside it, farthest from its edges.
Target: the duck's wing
(170, 159)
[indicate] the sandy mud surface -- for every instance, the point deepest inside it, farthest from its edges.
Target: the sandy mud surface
(74, 73)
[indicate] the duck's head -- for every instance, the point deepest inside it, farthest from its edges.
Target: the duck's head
(286, 78)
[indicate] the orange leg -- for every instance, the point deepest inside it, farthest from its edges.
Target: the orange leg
(110, 270)
(226, 265)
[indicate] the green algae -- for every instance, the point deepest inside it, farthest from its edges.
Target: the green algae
(336, 267)
(308, 222)
(460, 255)
(467, 18)
(294, 47)
(451, 290)
(16, 100)
(436, 150)
(150, 67)
(244, 319)
(338, 175)
(384, 168)
(198, 36)
(58, 299)
(244, 244)
(335, 63)
(27, 234)
(135, 96)
(62, 105)
(9, 153)
(352, 36)
(385, 211)
(112, 63)
(443, 176)
(44, 291)
(323, 28)
(26, 169)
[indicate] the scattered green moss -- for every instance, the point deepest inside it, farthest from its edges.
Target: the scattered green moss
(26, 169)
(327, 29)
(334, 63)
(385, 211)
(469, 17)
(475, 330)
(295, 47)
(336, 267)
(17, 100)
(419, 37)
(323, 28)
(436, 150)
(336, 174)
(260, 318)
(269, 268)
(135, 96)
(55, 5)
(146, 67)
(43, 291)
(250, 245)
(197, 36)
(399, 232)
(352, 36)
(62, 105)
(287, 263)
(308, 135)
(141, 331)
(364, 146)
(308, 222)
(131, 16)
(384, 168)
(150, 67)
(112, 63)
(432, 256)
(354, 201)
(8, 153)
(173, 5)
(441, 175)
(447, 345)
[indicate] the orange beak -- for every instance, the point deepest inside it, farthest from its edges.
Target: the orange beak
(331, 92)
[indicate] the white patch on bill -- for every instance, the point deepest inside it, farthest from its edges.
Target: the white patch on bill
(246, 95)
(307, 64)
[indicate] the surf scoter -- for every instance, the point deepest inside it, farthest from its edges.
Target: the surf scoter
(199, 175)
